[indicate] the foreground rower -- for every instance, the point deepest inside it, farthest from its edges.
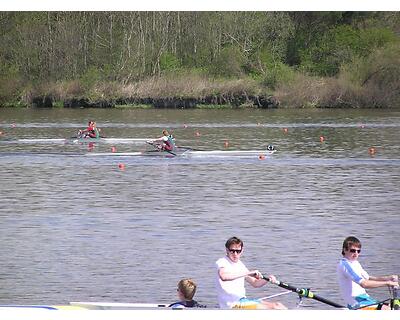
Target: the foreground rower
(230, 280)
(353, 279)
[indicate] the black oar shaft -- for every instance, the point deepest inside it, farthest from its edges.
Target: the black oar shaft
(306, 293)
(395, 303)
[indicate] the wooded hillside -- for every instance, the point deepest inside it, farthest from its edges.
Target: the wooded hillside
(303, 58)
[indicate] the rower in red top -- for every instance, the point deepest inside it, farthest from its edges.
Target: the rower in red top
(90, 132)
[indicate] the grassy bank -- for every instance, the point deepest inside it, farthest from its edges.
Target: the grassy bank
(172, 89)
(369, 82)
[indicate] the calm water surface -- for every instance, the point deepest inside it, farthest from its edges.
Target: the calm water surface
(77, 228)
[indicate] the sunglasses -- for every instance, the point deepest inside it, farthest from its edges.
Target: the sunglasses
(235, 250)
(355, 250)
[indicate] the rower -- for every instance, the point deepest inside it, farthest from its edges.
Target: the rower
(353, 279)
(165, 143)
(90, 132)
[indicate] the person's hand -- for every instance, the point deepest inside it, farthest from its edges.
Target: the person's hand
(394, 284)
(272, 279)
(256, 274)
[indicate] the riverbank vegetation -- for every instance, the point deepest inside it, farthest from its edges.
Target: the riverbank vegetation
(185, 59)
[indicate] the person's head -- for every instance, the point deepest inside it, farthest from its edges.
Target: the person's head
(351, 248)
(234, 248)
(186, 289)
(165, 132)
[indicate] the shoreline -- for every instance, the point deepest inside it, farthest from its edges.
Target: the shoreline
(209, 102)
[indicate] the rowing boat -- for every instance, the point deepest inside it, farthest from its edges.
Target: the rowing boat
(186, 153)
(89, 306)
(393, 302)
(74, 140)
(118, 305)
(82, 305)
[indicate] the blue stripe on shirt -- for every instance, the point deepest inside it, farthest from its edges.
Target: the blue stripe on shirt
(355, 277)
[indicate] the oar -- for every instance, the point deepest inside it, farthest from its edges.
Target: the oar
(190, 148)
(395, 302)
(305, 293)
(153, 145)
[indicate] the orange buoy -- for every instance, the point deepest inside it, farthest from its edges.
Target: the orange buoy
(371, 150)
(321, 138)
(261, 157)
(121, 166)
(226, 144)
(113, 149)
(285, 130)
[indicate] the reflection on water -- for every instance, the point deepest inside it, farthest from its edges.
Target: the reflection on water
(79, 228)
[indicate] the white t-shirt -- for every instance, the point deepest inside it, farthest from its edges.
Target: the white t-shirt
(231, 291)
(350, 274)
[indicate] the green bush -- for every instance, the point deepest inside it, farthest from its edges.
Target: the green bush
(229, 63)
(377, 76)
(268, 70)
(92, 76)
(277, 74)
(342, 45)
(169, 62)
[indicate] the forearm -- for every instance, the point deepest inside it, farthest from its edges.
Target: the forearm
(374, 283)
(257, 283)
(229, 276)
(382, 278)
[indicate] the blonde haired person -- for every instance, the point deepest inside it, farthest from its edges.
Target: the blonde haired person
(166, 142)
(186, 290)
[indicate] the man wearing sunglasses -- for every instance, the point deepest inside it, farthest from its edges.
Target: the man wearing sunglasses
(353, 279)
(230, 280)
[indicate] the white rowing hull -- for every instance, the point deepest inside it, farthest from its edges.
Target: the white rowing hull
(187, 153)
(75, 140)
(117, 305)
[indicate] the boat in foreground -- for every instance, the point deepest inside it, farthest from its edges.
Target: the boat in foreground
(186, 153)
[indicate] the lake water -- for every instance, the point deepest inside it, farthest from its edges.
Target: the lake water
(78, 228)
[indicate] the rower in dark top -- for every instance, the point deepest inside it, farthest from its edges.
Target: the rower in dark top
(186, 290)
